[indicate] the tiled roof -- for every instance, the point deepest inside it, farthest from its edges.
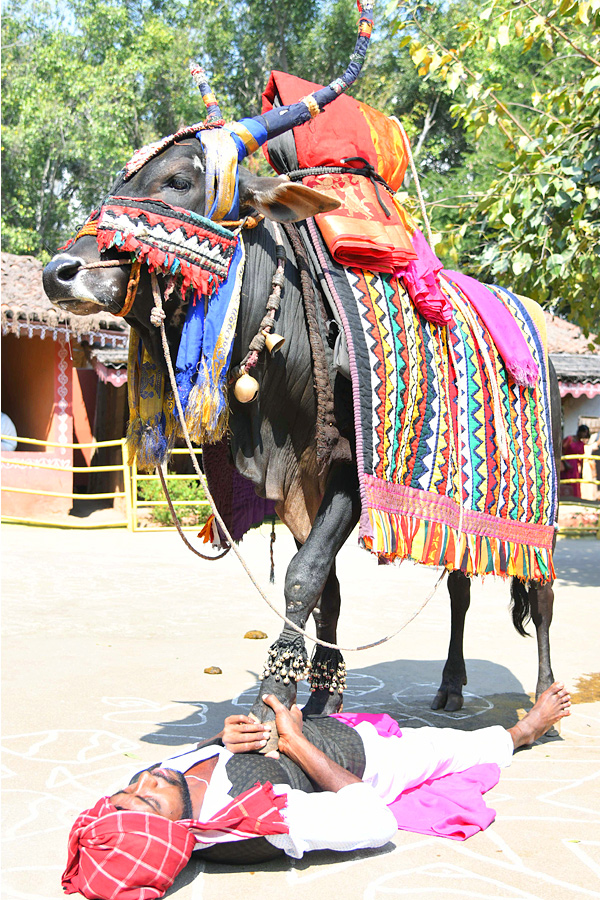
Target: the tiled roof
(25, 303)
(576, 367)
(564, 337)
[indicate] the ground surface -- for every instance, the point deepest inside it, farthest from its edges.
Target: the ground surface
(106, 638)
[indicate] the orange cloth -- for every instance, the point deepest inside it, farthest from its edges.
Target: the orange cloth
(359, 233)
(344, 128)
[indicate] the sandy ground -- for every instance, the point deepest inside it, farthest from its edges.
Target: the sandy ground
(106, 636)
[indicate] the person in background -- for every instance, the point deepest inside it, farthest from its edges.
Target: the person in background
(571, 468)
(9, 433)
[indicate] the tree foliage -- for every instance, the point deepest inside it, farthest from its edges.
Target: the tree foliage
(501, 103)
(84, 83)
(528, 72)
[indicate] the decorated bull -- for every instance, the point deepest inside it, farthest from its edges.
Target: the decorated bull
(437, 432)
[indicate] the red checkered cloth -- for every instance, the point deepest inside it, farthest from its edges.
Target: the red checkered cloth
(254, 813)
(124, 855)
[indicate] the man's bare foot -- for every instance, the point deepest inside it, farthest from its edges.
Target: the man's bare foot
(552, 705)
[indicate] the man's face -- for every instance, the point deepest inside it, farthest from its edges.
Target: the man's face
(160, 791)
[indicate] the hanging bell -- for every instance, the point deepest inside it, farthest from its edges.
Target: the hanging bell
(246, 388)
(274, 342)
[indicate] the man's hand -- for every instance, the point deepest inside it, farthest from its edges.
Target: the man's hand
(242, 734)
(313, 762)
(288, 723)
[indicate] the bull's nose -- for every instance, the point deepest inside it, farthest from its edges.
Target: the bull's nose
(60, 273)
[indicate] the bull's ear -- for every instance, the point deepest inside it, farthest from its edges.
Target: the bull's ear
(281, 199)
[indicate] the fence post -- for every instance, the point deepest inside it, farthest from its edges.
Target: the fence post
(127, 486)
(134, 490)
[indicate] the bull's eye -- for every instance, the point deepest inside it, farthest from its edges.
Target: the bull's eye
(177, 183)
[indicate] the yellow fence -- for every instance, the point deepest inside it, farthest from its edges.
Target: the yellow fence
(131, 481)
(578, 503)
(137, 478)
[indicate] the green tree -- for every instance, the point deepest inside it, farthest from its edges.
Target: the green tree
(84, 84)
(535, 225)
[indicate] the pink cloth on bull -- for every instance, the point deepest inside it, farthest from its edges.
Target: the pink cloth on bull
(451, 806)
(421, 278)
(502, 326)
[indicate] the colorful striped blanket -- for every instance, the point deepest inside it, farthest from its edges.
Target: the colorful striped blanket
(455, 459)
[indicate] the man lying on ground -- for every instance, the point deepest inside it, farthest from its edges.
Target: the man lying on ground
(330, 786)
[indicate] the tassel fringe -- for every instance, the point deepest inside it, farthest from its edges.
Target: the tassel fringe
(148, 443)
(207, 412)
(159, 260)
(396, 537)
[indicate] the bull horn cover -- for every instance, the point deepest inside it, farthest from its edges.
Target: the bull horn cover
(250, 133)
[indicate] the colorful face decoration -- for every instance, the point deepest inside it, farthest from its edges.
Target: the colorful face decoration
(168, 239)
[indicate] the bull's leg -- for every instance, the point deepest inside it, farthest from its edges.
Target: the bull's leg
(541, 598)
(454, 676)
(305, 581)
(327, 667)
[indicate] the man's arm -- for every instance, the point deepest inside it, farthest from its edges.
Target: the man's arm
(346, 815)
(326, 773)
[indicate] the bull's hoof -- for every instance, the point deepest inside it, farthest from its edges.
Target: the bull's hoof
(448, 700)
(273, 743)
(285, 693)
(287, 664)
(323, 703)
(439, 701)
(454, 702)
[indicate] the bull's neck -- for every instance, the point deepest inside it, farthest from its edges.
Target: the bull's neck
(273, 437)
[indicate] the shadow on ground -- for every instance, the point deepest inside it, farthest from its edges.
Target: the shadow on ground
(403, 689)
(309, 861)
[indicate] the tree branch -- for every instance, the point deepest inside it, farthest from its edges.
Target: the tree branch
(491, 94)
(561, 34)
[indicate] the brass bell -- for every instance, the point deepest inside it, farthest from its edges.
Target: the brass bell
(246, 388)
(274, 342)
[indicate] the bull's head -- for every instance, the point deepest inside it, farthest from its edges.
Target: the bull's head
(175, 178)
(192, 175)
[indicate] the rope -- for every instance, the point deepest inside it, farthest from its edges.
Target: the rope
(413, 169)
(106, 264)
(327, 434)
(268, 322)
(367, 170)
(132, 284)
(157, 318)
(177, 524)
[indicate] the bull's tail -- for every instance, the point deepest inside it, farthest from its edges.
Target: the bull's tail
(520, 606)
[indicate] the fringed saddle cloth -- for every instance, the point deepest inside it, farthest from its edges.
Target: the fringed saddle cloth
(455, 458)
(451, 398)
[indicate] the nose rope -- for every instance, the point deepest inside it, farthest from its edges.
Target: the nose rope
(132, 284)
(157, 318)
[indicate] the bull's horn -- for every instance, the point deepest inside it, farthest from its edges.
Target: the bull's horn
(213, 109)
(250, 133)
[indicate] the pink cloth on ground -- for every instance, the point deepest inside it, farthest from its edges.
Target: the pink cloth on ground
(502, 327)
(451, 806)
